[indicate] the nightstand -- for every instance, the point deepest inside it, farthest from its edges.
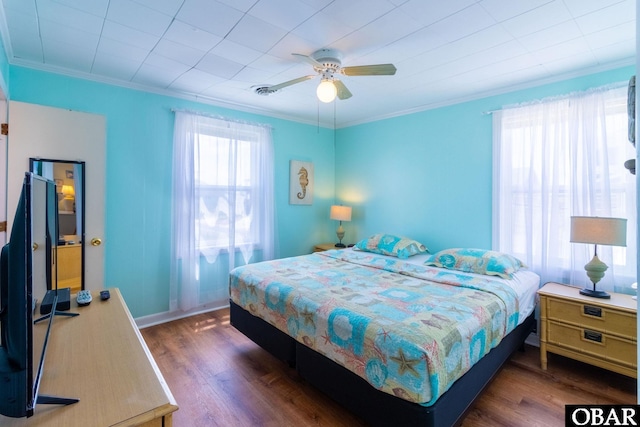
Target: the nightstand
(324, 247)
(601, 332)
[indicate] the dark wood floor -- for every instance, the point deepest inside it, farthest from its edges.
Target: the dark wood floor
(221, 378)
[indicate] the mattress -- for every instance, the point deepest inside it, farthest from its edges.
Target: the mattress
(408, 329)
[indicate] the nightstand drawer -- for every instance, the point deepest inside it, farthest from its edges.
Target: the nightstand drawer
(593, 316)
(594, 343)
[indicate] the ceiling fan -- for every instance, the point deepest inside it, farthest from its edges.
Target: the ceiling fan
(327, 64)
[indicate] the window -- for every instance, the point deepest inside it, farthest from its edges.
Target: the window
(224, 193)
(557, 158)
(222, 203)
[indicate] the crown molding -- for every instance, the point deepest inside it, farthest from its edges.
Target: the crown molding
(495, 92)
(322, 123)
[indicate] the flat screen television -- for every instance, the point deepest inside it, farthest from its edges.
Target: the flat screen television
(26, 263)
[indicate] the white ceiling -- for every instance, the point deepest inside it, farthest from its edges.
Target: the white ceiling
(445, 51)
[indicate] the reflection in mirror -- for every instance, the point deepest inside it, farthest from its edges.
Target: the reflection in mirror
(69, 178)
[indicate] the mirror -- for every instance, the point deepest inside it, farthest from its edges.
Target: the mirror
(69, 178)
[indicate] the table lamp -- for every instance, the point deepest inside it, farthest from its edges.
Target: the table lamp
(340, 213)
(69, 198)
(598, 231)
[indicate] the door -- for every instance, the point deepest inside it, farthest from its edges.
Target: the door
(3, 170)
(54, 133)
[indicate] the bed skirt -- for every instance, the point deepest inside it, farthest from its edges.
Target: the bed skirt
(374, 407)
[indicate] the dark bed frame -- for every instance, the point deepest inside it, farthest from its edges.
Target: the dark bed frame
(357, 395)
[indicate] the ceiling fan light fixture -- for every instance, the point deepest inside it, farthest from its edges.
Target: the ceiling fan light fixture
(328, 63)
(326, 91)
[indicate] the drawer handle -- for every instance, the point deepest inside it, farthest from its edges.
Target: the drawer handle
(593, 336)
(592, 311)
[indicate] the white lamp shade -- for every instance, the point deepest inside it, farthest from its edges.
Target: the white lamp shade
(68, 191)
(340, 213)
(598, 230)
(326, 91)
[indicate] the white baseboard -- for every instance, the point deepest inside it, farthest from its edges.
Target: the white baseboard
(168, 316)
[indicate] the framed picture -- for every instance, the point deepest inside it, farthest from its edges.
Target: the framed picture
(300, 183)
(69, 174)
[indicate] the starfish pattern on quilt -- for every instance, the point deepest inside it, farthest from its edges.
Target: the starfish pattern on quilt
(405, 363)
(308, 317)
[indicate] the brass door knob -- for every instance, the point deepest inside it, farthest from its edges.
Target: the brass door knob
(95, 241)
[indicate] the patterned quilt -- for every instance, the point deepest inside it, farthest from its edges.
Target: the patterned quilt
(409, 330)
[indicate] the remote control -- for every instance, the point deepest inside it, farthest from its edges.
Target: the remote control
(84, 298)
(105, 295)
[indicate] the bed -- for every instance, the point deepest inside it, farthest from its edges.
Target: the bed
(393, 340)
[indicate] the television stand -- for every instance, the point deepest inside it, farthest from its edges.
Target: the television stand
(44, 399)
(55, 313)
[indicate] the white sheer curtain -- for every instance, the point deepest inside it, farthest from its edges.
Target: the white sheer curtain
(557, 158)
(222, 201)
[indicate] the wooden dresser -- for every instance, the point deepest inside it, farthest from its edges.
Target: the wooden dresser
(601, 332)
(100, 358)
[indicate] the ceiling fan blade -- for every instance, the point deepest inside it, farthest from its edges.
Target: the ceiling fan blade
(343, 92)
(370, 70)
(307, 58)
(290, 82)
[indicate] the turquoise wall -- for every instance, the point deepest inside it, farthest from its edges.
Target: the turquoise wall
(138, 187)
(428, 175)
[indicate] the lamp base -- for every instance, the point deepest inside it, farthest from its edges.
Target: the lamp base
(595, 294)
(340, 245)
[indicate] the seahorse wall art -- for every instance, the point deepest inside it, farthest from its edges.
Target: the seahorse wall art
(304, 181)
(301, 182)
